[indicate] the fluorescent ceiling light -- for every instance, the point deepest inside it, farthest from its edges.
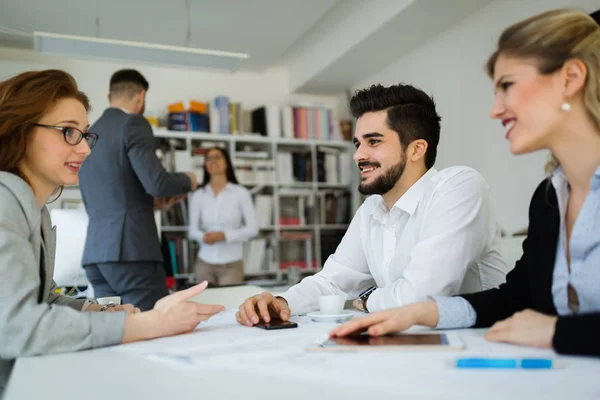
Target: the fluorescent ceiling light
(91, 47)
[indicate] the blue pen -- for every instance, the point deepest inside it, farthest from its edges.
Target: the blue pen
(504, 363)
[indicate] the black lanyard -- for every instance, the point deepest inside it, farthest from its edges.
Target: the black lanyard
(42, 272)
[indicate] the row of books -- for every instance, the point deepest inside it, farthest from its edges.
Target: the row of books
(179, 253)
(334, 207)
(297, 253)
(222, 116)
(332, 167)
(296, 207)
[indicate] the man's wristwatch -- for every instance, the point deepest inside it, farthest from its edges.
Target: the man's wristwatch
(107, 306)
(364, 296)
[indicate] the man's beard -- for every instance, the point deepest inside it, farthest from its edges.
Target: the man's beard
(385, 182)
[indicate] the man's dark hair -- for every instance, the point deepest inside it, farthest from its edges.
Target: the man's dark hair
(127, 83)
(410, 112)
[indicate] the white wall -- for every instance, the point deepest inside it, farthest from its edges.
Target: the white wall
(451, 68)
(169, 84)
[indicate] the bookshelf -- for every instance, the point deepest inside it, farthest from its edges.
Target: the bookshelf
(304, 191)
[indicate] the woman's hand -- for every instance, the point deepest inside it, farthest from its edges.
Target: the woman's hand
(528, 328)
(213, 237)
(171, 315)
(393, 320)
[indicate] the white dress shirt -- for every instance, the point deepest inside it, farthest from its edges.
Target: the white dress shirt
(232, 212)
(440, 238)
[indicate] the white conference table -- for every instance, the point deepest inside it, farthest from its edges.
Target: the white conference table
(223, 360)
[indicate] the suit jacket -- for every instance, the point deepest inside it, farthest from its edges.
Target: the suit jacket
(529, 284)
(33, 318)
(119, 181)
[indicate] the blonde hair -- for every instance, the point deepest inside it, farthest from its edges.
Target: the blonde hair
(552, 38)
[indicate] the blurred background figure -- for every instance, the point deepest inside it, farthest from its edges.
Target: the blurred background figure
(222, 218)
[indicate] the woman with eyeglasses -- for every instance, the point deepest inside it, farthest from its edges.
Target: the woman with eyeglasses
(546, 76)
(43, 142)
(222, 218)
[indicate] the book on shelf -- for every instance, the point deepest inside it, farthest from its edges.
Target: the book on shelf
(333, 166)
(254, 256)
(334, 207)
(307, 122)
(263, 206)
(179, 253)
(297, 209)
(219, 115)
(297, 253)
(296, 235)
(254, 172)
(236, 118)
(266, 120)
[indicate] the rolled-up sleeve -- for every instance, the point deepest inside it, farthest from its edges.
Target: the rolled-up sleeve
(345, 272)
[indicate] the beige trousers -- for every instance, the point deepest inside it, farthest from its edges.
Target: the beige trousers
(219, 274)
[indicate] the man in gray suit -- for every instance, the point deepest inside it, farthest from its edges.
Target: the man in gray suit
(121, 181)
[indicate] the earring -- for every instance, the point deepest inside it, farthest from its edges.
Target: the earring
(566, 107)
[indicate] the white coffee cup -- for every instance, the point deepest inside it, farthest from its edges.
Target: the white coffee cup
(109, 300)
(332, 304)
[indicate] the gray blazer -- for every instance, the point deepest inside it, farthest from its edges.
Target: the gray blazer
(33, 318)
(119, 181)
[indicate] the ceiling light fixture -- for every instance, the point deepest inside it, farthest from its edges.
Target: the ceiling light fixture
(98, 48)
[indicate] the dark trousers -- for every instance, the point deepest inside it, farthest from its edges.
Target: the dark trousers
(139, 283)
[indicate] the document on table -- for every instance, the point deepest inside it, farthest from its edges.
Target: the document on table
(222, 344)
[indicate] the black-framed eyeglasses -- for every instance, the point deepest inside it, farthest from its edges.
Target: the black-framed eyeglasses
(73, 135)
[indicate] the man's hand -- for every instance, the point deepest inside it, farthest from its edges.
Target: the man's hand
(193, 179)
(528, 328)
(213, 237)
(164, 203)
(262, 306)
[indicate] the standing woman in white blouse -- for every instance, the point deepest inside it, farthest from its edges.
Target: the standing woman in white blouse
(222, 218)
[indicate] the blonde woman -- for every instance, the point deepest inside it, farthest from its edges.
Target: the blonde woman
(546, 75)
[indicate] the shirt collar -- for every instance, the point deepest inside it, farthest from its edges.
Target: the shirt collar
(122, 109)
(227, 187)
(560, 182)
(558, 178)
(409, 201)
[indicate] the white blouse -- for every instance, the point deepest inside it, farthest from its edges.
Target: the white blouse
(232, 212)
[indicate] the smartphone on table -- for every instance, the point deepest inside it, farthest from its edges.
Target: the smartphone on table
(276, 324)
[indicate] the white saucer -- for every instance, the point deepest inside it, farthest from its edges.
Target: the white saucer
(317, 316)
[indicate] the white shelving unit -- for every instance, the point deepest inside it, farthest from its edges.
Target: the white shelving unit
(278, 189)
